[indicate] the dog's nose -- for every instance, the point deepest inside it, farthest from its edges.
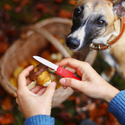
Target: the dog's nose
(72, 43)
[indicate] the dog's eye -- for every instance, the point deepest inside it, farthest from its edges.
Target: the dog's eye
(77, 12)
(101, 22)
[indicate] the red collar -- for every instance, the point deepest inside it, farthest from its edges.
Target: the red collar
(102, 46)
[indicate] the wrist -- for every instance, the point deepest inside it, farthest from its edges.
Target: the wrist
(36, 112)
(111, 93)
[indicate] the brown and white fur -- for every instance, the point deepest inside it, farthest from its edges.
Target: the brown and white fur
(98, 21)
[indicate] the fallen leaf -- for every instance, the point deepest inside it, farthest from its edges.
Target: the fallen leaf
(24, 2)
(71, 98)
(7, 103)
(18, 9)
(6, 119)
(41, 7)
(72, 2)
(77, 101)
(110, 119)
(65, 14)
(3, 47)
(98, 111)
(7, 7)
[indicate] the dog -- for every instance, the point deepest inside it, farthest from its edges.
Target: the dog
(100, 24)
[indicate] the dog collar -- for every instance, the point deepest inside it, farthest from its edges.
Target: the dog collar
(95, 46)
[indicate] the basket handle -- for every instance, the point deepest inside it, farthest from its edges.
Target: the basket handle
(51, 39)
(3, 83)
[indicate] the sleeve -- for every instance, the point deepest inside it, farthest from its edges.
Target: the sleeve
(117, 107)
(40, 120)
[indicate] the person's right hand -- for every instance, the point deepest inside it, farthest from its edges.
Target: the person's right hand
(36, 101)
(91, 84)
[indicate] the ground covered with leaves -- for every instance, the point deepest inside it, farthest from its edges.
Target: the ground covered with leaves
(15, 14)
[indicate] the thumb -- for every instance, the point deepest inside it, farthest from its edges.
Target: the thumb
(50, 90)
(73, 83)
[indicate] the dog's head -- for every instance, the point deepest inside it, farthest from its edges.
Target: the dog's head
(94, 21)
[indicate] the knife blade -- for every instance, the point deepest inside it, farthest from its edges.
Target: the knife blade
(58, 70)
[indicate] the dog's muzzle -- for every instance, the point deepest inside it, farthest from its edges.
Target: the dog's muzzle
(72, 43)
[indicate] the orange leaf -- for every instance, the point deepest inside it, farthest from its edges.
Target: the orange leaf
(7, 7)
(77, 101)
(111, 119)
(41, 7)
(3, 46)
(72, 98)
(46, 54)
(7, 103)
(24, 2)
(18, 9)
(65, 14)
(7, 119)
(72, 2)
(98, 121)
(99, 111)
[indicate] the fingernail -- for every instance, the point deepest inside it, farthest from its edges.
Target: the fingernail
(62, 81)
(54, 84)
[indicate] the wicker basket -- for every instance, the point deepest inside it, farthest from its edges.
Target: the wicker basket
(36, 37)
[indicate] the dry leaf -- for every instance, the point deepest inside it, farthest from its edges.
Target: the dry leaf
(7, 119)
(72, 2)
(7, 103)
(65, 14)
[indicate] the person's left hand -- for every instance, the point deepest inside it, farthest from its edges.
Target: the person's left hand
(36, 101)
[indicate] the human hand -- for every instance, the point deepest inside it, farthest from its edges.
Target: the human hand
(91, 84)
(36, 101)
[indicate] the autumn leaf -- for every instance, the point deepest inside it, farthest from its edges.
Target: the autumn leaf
(7, 103)
(7, 7)
(71, 98)
(110, 120)
(72, 2)
(3, 47)
(24, 2)
(41, 7)
(65, 14)
(98, 111)
(18, 9)
(77, 101)
(11, 31)
(6, 119)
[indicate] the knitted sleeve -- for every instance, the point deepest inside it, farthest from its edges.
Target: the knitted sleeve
(40, 120)
(117, 107)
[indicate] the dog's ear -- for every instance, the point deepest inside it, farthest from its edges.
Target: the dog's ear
(119, 8)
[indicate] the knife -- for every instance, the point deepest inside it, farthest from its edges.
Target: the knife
(58, 70)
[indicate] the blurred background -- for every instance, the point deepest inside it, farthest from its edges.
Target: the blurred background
(16, 14)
